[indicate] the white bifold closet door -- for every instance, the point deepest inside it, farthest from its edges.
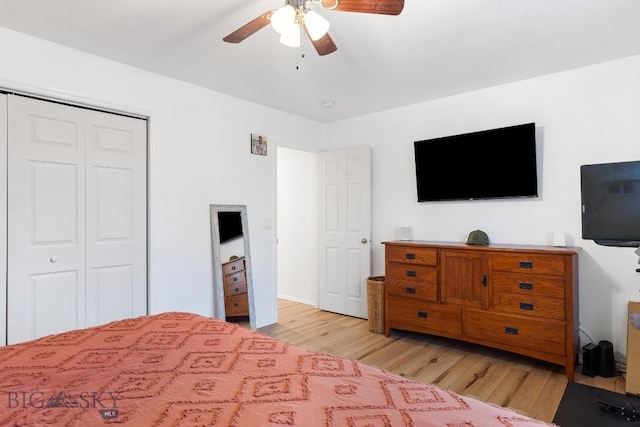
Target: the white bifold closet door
(77, 220)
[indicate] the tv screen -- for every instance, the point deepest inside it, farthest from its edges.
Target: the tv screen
(489, 164)
(229, 225)
(610, 195)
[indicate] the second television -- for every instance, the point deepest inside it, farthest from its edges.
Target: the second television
(489, 164)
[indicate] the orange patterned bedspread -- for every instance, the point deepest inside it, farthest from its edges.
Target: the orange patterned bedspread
(181, 369)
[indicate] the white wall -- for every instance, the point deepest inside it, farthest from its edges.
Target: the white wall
(199, 155)
(588, 115)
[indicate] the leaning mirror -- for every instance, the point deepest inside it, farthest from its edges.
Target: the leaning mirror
(231, 255)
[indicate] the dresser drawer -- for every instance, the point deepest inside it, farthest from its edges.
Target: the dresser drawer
(237, 305)
(423, 291)
(424, 315)
(410, 255)
(515, 331)
(235, 278)
(528, 284)
(233, 266)
(551, 308)
(235, 289)
(412, 273)
(528, 263)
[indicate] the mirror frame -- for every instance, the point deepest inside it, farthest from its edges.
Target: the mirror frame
(218, 283)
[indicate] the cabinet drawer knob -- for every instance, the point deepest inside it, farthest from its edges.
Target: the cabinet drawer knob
(525, 264)
(526, 306)
(525, 285)
(411, 273)
(236, 289)
(410, 256)
(233, 267)
(423, 314)
(235, 304)
(235, 279)
(411, 290)
(511, 331)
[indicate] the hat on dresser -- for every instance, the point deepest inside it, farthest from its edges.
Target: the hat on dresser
(478, 237)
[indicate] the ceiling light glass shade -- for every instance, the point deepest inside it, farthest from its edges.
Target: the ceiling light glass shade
(316, 25)
(283, 18)
(291, 36)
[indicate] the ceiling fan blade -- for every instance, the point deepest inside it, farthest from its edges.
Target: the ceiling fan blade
(324, 45)
(382, 7)
(249, 28)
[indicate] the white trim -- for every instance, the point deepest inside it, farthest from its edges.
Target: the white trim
(4, 119)
(70, 98)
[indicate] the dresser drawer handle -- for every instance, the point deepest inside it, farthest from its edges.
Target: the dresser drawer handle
(511, 331)
(411, 290)
(526, 306)
(235, 279)
(411, 273)
(236, 289)
(233, 267)
(525, 285)
(410, 256)
(235, 304)
(525, 264)
(423, 314)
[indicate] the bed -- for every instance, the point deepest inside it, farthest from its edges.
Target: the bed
(182, 369)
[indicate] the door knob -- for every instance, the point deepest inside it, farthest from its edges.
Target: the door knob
(53, 259)
(364, 240)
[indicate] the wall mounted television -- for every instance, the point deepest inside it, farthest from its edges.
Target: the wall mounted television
(489, 164)
(610, 196)
(229, 225)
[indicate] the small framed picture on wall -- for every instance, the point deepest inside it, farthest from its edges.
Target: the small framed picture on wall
(258, 144)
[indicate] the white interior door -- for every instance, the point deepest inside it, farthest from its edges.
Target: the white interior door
(46, 219)
(344, 262)
(116, 234)
(76, 218)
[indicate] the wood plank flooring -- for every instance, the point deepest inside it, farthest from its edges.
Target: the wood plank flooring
(527, 386)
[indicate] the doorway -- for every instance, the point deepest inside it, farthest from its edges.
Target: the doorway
(343, 205)
(77, 216)
(297, 225)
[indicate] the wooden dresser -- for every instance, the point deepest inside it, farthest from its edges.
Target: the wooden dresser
(522, 299)
(236, 301)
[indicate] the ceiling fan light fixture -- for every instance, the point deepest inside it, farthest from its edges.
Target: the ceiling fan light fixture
(291, 36)
(317, 25)
(283, 18)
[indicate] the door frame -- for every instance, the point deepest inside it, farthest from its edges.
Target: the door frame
(4, 99)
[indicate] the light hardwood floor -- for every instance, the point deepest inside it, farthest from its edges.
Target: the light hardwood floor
(528, 386)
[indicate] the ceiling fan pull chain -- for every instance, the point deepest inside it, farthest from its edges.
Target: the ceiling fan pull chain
(299, 55)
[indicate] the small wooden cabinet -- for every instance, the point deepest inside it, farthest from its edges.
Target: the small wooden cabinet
(236, 301)
(522, 299)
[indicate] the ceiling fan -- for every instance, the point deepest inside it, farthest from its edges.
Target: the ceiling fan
(295, 17)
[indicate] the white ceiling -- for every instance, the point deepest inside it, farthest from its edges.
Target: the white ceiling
(434, 48)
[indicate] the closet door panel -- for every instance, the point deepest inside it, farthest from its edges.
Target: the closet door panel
(116, 218)
(46, 219)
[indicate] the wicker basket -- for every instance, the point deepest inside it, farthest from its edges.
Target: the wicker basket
(375, 302)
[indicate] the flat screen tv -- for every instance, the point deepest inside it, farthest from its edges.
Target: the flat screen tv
(489, 164)
(610, 196)
(229, 225)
